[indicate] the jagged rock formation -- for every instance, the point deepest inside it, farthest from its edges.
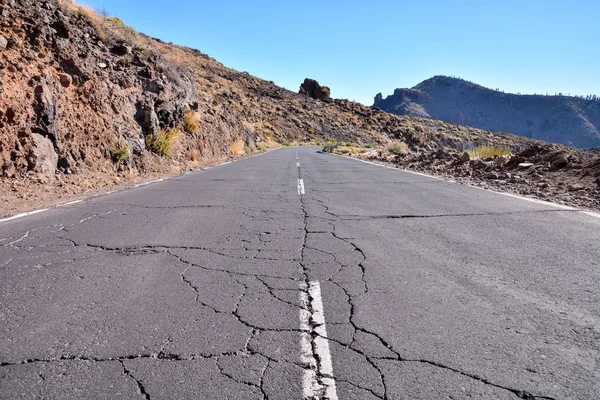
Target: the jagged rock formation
(560, 119)
(313, 89)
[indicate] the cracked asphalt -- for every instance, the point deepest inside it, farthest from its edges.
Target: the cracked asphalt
(195, 287)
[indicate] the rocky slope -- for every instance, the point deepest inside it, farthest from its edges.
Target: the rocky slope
(87, 103)
(560, 119)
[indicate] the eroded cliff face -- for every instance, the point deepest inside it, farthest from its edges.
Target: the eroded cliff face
(559, 119)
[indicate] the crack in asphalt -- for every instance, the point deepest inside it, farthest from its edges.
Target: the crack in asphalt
(522, 394)
(140, 386)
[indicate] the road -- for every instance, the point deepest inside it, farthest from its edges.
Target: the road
(296, 275)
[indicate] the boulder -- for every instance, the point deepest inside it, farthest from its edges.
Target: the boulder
(558, 160)
(42, 158)
(65, 80)
(312, 88)
(3, 42)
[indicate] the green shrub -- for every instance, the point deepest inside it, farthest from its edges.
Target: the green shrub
(116, 20)
(311, 131)
(248, 150)
(482, 152)
(369, 146)
(162, 143)
(287, 144)
(262, 147)
(397, 147)
(190, 124)
(119, 153)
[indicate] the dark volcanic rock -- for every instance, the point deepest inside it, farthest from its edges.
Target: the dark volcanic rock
(312, 88)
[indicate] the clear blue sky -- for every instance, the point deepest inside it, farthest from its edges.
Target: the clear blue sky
(360, 48)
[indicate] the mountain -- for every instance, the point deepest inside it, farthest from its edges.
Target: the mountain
(87, 103)
(568, 120)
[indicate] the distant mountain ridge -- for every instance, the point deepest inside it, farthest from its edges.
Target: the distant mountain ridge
(568, 120)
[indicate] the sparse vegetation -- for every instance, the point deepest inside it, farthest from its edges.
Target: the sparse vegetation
(190, 123)
(116, 20)
(238, 148)
(348, 150)
(162, 143)
(397, 147)
(483, 152)
(119, 153)
(286, 144)
(311, 131)
(262, 147)
(369, 146)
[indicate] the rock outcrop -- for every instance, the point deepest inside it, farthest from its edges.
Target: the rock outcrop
(562, 119)
(313, 89)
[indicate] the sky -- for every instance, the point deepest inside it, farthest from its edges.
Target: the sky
(361, 48)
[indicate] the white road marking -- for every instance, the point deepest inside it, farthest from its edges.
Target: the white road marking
(301, 186)
(317, 347)
(546, 203)
(516, 196)
(23, 215)
(592, 214)
(298, 165)
(70, 203)
(113, 191)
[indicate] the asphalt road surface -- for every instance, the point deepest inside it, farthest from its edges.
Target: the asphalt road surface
(301, 275)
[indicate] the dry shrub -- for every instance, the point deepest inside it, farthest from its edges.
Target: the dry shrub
(238, 148)
(397, 147)
(482, 152)
(161, 144)
(190, 123)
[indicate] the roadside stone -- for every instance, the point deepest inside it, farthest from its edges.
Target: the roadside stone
(42, 158)
(102, 65)
(65, 80)
(525, 165)
(465, 157)
(575, 187)
(3, 42)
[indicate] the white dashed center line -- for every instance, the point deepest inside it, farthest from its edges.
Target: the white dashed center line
(301, 186)
(318, 381)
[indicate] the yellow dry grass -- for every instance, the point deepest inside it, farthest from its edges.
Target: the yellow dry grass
(238, 148)
(483, 152)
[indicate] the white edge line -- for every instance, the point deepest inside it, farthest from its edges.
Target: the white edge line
(126, 188)
(541, 202)
(23, 215)
(591, 214)
(70, 203)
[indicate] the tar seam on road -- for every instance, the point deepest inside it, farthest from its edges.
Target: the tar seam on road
(314, 332)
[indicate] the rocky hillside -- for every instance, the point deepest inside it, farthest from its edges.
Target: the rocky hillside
(561, 119)
(86, 103)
